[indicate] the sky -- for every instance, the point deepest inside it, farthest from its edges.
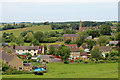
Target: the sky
(58, 11)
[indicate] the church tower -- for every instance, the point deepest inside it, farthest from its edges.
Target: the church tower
(80, 27)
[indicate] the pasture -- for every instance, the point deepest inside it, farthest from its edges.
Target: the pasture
(81, 70)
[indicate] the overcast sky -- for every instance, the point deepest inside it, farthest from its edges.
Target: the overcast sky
(58, 11)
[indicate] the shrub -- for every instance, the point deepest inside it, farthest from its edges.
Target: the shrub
(66, 62)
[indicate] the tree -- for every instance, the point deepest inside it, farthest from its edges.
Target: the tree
(64, 52)
(39, 36)
(105, 29)
(19, 41)
(28, 55)
(118, 27)
(94, 33)
(103, 40)
(52, 50)
(81, 39)
(35, 42)
(24, 33)
(45, 49)
(29, 37)
(96, 53)
(118, 36)
(68, 41)
(90, 43)
(114, 53)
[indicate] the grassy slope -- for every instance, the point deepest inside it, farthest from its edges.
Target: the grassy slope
(60, 70)
(43, 28)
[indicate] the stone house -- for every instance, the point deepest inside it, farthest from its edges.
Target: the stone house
(33, 50)
(15, 62)
(72, 37)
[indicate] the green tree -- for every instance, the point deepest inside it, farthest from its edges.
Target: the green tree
(118, 36)
(94, 33)
(39, 36)
(114, 53)
(35, 42)
(68, 41)
(103, 40)
(118, 27)
(96, 53)
(64, 52)
(19, 41)
(81, 39)
(28, 55)
(52, 50)
(29, 37)
(105, 29)
(90, 43)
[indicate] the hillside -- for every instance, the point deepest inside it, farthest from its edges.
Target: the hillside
(43, 28)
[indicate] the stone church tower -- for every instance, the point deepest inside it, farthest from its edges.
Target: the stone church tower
(80, 27)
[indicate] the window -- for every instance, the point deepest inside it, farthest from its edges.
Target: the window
(34, 53)
(77, 56)
(20, 68)
(29, 50)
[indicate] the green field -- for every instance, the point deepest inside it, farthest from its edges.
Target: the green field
(60, 70)
(43, 28)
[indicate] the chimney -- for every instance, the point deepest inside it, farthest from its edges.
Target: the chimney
(32, 45)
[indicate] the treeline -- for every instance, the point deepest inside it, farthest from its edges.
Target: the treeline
(75, 25)
(54, 25)
(34, 38)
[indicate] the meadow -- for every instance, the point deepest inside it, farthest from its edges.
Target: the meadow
(81, 70)
(43, 28)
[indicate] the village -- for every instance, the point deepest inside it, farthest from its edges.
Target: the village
(75, 48)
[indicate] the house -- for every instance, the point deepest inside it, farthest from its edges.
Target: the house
(75, 51)
(33, 50)
(49, 58)
(15, 62)
(105, 49)
(55, 45)
(83, 55)
(96, 39)
(89, 37)
(113, 34)
(113, 42)
(72, 37)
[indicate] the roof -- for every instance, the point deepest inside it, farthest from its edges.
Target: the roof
(73, 47)
(55, 45)
(113, 42)
(7, 56)
(27, 64)
(46, 56)
(104, 48)
(83, 54)
(27, 47)
(70, 35)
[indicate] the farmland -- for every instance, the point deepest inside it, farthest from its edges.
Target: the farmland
(61, 70)
(43, 28)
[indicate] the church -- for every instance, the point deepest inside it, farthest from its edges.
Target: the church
(72, 37)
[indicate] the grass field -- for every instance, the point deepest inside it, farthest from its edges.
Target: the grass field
(43, 28)
(60, 70)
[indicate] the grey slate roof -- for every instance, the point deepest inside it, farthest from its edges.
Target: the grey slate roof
(70, 35)
(7, 56)
(27, 47)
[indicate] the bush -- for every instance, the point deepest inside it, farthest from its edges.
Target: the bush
(66, 62)
(33, 60)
